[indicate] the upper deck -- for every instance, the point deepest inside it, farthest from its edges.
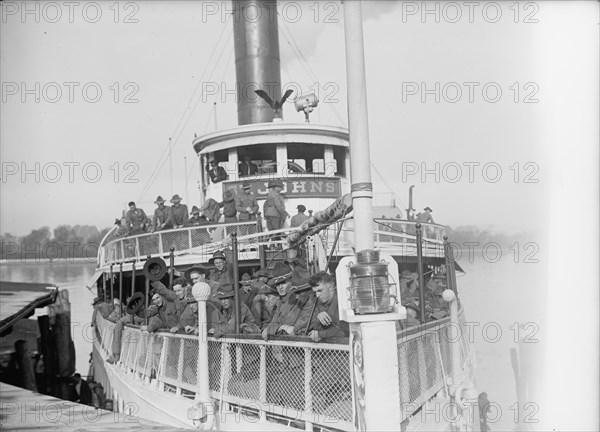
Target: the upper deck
(311, 160)
(196, 244)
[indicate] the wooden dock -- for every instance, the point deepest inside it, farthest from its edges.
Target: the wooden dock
(22, 409)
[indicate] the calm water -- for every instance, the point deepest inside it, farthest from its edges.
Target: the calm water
(495, 296)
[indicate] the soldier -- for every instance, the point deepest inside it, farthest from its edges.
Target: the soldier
(248, 290)
(178, 296)
(221, 273)
(247, 168)
(178, 214)
(298, 219)
(268, 298)
(161, 215)
(196, 219)
(216, 173)
(135, 220)
(325, 323)
(274, 206)
(245, 204)
(228, 204)
(226, 323)
(293, 313)
(426, 216)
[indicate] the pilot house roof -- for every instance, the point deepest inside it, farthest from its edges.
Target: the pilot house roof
(271, 133)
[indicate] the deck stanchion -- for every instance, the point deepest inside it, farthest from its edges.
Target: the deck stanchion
(419, 239)
(262, 253)
(121, 288)
(104, 287)
(111, 284)
(171, 267)
(203, 406)
(132, 284)
(236, 294)
(146, 298)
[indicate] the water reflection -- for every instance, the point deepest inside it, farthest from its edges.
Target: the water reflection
(61, 274)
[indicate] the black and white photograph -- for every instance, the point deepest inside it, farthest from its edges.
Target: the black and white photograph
(263, 215)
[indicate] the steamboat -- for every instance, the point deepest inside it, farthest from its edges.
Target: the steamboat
(392, 372)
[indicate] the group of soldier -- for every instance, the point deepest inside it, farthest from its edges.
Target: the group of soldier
(284, 301)
(241, 207)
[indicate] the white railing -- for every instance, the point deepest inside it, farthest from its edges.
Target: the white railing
(390, 234)
(294, 379)
(398, 237)
(183, 240)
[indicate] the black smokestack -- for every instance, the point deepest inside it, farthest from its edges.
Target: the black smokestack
(256, 58)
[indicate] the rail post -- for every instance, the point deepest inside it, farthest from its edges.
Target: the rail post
(203, 408)
(146, 320)
(419, 240)
(110, 282)
(236, 294)
(121, 289)
(171, 267)
(261, 249)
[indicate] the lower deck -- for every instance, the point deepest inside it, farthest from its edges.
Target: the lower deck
(288, 382)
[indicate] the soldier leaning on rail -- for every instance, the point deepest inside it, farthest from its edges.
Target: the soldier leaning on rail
(330, 380)
(135, 220)
(226, 322)
(293, 312)
(161, 215)
(178, 214)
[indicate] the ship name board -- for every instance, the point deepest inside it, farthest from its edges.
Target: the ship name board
(326, 187)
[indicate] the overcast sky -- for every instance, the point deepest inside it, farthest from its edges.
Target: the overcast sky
(484, 147)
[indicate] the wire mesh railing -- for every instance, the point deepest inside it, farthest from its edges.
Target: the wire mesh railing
(305, 380)
(206, 238)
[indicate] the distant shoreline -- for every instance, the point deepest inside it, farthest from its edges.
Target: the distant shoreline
(77, 260)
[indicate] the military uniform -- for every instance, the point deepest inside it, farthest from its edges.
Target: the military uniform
(178, 215)
(274, 210)
(298, 219)
(135, 221)
(244, 201)
(161, 215)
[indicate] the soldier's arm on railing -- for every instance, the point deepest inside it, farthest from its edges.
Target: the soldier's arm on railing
(161, 289)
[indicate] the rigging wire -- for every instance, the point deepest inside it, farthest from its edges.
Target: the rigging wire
(296, 49)
(302, 59)
(161, 161)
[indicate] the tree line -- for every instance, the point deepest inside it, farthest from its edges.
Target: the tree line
(63, 243)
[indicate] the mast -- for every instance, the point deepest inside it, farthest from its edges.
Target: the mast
(358, 124)
(373, 335)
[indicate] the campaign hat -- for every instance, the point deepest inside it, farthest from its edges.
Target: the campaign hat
(217, 255)
(195, 210)
(246, 185)
(228, 195)
(159, 200)
(428, 208)
(225, 291)
(197, 268)
(274, 183)
(176, 198)
(246, 279)
(262, 272)
(96, 301)
(280, 274)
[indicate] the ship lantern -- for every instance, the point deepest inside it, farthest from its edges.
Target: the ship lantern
(370, 289)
